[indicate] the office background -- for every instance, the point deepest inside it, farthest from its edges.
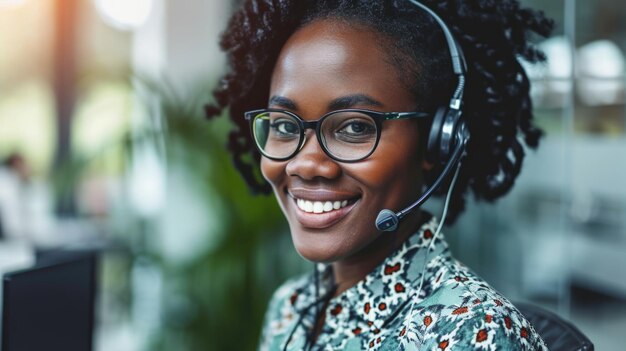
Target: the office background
(104, 145)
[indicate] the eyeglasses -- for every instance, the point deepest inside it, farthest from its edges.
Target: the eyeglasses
(349, 135)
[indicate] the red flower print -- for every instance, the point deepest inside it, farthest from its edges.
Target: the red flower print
(498, 302)
(392, 269)
(428, 234)
(371, 343)
(507, 322)
(488, 318)
(460, 279)
(399, 288)
(356, 331)
(336, 310)
(428, 320)
(403, 331)
(477, 301)
(524, 333)
(481, 335)
(293, 298)
(460, 310)
(382, 306)
(444, 344)
(378, 340)
(367, 307)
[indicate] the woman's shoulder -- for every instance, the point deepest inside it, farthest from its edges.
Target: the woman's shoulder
(289, 291)
(462, 312)
(281, 311)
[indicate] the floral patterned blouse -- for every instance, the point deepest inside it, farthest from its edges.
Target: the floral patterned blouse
(454, 310)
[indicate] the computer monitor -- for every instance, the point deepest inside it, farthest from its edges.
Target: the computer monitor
(50, 307)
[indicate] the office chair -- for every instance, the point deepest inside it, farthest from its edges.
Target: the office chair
(558, 334)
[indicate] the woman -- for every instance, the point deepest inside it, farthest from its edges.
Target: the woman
(355, 107)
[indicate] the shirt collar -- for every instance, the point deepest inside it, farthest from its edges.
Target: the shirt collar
(378, 297)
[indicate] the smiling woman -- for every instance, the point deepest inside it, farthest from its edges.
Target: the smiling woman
(328, 66)
(353, 108)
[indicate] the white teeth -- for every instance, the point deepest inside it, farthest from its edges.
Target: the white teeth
(319, 206)
(328, 206)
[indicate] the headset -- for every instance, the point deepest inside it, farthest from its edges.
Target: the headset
(448, 137)
(446, 148)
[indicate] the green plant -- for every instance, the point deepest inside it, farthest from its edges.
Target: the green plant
(217, 301)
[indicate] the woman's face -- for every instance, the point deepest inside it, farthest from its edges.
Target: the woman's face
(324, 66)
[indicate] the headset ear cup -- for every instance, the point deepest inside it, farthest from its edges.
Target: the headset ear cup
(449, 138)
(433, 145)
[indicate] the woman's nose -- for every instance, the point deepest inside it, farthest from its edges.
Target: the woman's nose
(312, 162)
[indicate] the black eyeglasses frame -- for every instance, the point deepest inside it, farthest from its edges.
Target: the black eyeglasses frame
(378, 117)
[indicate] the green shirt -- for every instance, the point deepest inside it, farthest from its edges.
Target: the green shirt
(454, 309)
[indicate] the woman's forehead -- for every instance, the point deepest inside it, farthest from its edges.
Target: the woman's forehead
(329, 58)
(330, 44)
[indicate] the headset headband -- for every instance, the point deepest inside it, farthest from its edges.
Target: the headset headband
(456, 56)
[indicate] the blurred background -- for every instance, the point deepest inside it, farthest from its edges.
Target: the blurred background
(103, 145)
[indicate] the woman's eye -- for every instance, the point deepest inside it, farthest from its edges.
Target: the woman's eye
(284, 127)
(357, 129)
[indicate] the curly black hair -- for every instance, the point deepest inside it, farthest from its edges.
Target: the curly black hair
(493, 34)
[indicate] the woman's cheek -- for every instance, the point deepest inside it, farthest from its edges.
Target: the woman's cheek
(272, 171)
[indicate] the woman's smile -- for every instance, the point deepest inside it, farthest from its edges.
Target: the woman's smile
(321, 208)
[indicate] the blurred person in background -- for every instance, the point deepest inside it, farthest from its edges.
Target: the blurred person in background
(354, 110)
(24, 203)
(16, 164)
(15, 178)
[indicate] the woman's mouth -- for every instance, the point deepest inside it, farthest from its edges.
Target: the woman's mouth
(320, 206)
(322, 213)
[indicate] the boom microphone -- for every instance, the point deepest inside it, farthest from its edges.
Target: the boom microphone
(388, 220)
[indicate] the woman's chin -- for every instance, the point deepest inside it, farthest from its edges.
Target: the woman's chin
(317, 250)
(329, 244)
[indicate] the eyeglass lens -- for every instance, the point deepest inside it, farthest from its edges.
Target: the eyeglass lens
(345, 135)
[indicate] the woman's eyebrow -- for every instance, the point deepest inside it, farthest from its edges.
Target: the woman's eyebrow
(281, 101)
(343, 102)
(353, 100)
